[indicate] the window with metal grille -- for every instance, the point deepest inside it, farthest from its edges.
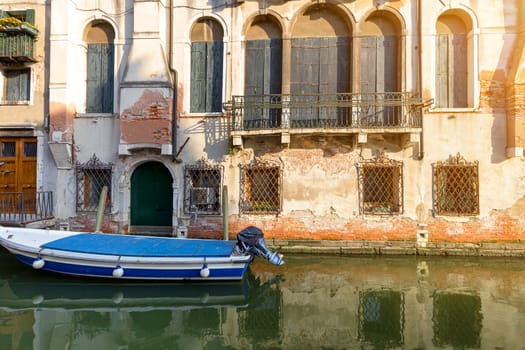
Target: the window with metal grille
(261, 188)
(92, 176)
(202, 188)
(380, 186)
(456, 187)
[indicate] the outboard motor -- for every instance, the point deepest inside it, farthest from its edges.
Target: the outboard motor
(251, 241)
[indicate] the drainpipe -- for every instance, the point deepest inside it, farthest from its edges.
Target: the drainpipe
(174, 87)
(421, 153)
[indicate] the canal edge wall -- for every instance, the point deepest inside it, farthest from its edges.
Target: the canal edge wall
(347, 248)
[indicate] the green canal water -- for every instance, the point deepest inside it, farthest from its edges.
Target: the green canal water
(312, 302)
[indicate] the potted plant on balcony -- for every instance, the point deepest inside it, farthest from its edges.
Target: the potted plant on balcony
(13, 24)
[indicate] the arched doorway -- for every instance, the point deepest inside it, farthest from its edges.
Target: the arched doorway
(151, 198)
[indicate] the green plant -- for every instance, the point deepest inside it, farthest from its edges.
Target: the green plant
(13, 22)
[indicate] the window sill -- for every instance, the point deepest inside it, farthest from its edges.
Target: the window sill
(95, 115)
(202, 114)
(454, 110)
(15, 103)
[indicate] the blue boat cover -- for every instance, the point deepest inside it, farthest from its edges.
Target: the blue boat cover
(124, 245)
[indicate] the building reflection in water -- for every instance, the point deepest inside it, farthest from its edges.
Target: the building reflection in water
(381, 318)
(310, 303)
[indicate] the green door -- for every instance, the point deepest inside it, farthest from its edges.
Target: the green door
(151, 195)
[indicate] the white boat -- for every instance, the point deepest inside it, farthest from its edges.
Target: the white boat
(123, 256)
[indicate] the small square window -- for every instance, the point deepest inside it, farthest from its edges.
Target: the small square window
(30, 149)
(202, 188)
(261, 188)
(9, 149)
(456, 187)
(380, 186)
(92, 177)
(17, 85)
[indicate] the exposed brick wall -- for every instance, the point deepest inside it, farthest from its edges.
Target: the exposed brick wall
(492, 94)
(497, 227)
(516, 115)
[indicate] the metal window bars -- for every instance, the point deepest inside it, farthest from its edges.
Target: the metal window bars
(91, 177)
(380, 182)
(456, 187)
(202, 187)
(261, 188)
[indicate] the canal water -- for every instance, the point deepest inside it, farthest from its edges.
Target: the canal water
(312, 302)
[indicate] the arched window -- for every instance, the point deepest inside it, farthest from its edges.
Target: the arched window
(320, 64)
(206, 66)
(100, 67)
(380, 61)
(452, 61)
(263, 73)
(381, 67)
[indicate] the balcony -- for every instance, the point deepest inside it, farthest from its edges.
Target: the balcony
(341, 113)
(21, 208)
(17, 44)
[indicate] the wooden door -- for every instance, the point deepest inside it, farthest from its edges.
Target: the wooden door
(18, 174)
(151, 195)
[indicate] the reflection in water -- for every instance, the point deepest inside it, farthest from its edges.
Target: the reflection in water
(310, 303)
(381, 319)
(457, 320)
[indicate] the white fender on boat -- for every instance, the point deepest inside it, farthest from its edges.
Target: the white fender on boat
(37, 299)
(205, 271)
(117, 298)
(38, 263)
(118, 272)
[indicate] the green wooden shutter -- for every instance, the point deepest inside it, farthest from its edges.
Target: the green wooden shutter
(451, 71)
(304, 84)
(254, 82)
(442, 86)
(214, 88)
(206, 76)
(263, 76)
(30, 16)
(379, 60)
(198, 77)
(107, 78)
(460, 71)
(99, 90)
(368, 64)
(18, 84)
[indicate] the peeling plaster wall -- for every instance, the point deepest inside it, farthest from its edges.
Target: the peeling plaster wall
(320, 195)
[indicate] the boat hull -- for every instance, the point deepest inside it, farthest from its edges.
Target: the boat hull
(91, 255)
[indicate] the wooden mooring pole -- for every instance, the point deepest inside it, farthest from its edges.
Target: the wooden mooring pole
(225, 212)
(101, 208)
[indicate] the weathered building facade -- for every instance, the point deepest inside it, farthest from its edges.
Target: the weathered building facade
(25, 194)
(359, 120)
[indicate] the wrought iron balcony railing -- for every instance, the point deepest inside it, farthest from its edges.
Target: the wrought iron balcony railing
(342, 110)
(25, 207)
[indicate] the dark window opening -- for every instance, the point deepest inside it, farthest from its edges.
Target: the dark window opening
(92, 177)
(261, 187)
(381, 186)
(202, 188)
(456, 187)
